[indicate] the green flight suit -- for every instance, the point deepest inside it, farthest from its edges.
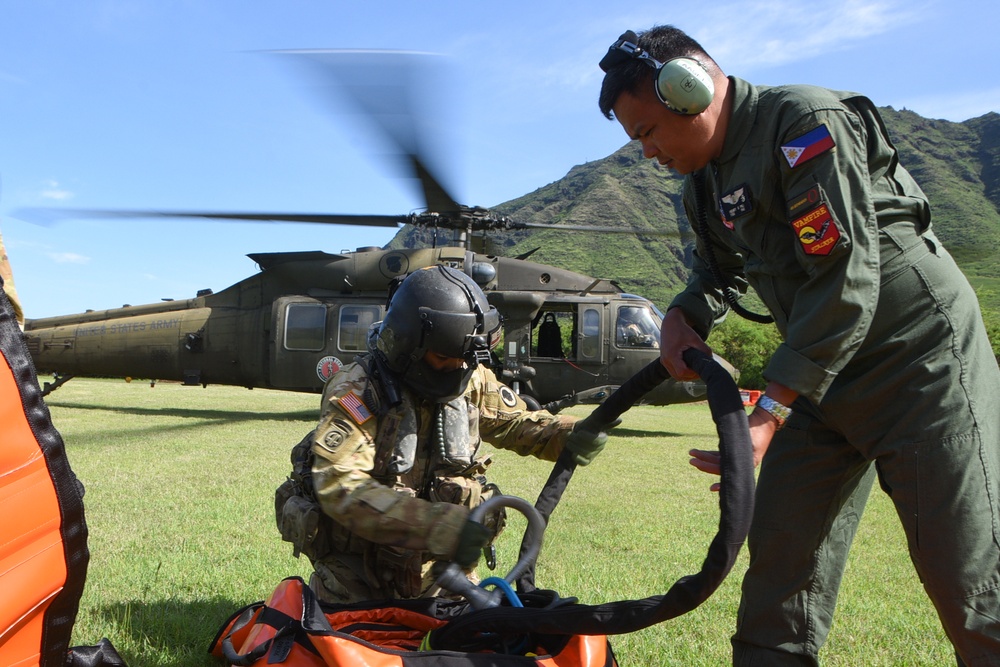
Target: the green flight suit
(883, 340)
(383, 523)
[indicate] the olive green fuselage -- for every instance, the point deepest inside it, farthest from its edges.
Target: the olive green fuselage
(305, 314)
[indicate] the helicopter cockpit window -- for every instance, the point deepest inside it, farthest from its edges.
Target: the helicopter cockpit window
(636, 328)
(354, 324)
(305, 326)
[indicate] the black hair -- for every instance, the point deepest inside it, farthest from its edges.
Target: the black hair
(662, 42)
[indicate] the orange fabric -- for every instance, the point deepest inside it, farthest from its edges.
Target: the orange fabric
(32, 562)
(237, 635)
(380, 637)
(343, 652)
(399, 629)
(582, 650)
(286, 598)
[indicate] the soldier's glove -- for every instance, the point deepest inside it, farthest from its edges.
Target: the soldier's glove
(585, 443)
(471, 540)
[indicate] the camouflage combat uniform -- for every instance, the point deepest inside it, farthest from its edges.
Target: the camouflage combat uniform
(393, 486)
(884, 342)
(7, 280)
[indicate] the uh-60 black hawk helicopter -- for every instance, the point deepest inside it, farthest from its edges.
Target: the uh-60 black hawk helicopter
(567, 338)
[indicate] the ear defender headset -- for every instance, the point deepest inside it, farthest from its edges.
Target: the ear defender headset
(682, 84)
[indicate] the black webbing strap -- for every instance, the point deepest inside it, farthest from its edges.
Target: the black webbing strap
(627, 395)
(736, 509)
(289, 632)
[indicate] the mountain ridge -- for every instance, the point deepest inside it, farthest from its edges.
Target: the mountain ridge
(956, 164)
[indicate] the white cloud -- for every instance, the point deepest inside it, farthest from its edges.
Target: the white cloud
(68, 258)
(777, 32)
(54, 192)
(742, 36)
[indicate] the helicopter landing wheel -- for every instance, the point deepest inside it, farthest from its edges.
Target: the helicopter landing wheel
(531, 402)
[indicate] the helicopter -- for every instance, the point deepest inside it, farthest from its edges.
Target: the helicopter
(567, 338)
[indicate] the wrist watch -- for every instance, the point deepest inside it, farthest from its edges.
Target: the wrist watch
(780, 412)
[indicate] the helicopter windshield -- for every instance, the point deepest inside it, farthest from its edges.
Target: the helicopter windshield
(636, 327)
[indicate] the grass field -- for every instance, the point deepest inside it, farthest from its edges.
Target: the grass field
(179, 503)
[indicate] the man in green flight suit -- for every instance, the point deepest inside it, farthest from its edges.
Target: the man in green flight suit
(885, 367)
(384, 485)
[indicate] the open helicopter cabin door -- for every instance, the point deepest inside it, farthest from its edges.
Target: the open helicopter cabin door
(313, 338)
(568, 348)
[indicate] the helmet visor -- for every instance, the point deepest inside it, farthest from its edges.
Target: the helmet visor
(459, 334)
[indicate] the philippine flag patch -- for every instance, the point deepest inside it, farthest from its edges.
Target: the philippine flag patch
(355, 407)
(809, 145)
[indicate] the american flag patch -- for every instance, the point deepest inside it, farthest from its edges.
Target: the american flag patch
(354, 406)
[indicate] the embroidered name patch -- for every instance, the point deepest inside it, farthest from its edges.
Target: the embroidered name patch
(352, 404)
(735, 203)
(817, 231)
(804, 201)
(807, 146)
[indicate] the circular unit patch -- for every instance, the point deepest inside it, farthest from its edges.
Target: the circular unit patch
(508, 396)
(327, 367)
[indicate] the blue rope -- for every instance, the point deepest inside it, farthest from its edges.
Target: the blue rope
(503, 586)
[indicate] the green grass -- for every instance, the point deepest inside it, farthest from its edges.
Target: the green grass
(179, 503)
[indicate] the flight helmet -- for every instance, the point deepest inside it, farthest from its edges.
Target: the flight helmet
(436, 309)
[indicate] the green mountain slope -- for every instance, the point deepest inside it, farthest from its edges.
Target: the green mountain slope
(957, 165)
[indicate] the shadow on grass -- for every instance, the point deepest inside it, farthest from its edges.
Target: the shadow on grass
(195, 413)
(643, 433)
(171, 633)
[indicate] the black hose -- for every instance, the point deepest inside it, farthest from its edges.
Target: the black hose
(736, 509)
(627, 395)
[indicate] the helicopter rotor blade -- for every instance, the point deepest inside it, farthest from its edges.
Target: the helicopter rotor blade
(50, 215)
(387, 86)
(638, 231)
(434, 194)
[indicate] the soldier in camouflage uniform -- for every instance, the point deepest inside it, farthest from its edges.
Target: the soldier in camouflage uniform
(885, 368)
(384, 485)
(7, 279)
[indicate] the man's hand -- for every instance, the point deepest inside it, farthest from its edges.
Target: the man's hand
(586, 444)
(762, 429)
(471, 540)
(677, 335)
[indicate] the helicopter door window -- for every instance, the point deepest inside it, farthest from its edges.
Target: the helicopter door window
(636, 327)
(354, 324)
(590, 334)
(305, 326)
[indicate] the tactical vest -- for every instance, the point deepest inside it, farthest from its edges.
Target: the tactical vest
(441, 470)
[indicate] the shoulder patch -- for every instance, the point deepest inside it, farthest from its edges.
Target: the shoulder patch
(353, 405)
(507, 396)
(337, 432)
(333, 438)
(807, 146)
(817, 230)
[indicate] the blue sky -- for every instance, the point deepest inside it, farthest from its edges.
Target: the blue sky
(174, 104)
